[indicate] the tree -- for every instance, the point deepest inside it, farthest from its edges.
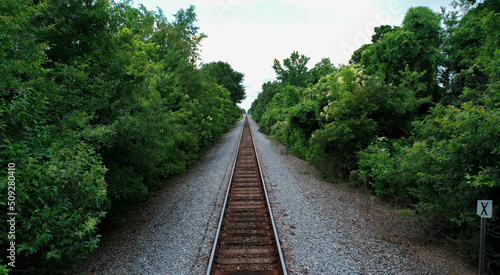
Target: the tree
(321, 69)
(470, 51)
(100, 103)
(425, 25)
(224, 75)
(76, 27)
(259, 106)
(359, 108)
(294, 71)
(416, 44)
(380, 32)
(464, 4)
(62, 195)
(451, 159)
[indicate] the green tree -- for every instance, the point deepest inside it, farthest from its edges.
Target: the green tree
(359, 108)
(259, 106)
(416, 44)
(425, 25)
(224, 75)
(451, 160)
(61, 195)
(100, 104)
(470, 51)
(380, 32)
(293, 71)
(277, 108)
(73, 27)
(321, 69)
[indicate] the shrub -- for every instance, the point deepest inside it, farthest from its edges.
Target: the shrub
(60, 197)
(359, 108)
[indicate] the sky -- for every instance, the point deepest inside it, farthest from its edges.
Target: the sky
(250, 34)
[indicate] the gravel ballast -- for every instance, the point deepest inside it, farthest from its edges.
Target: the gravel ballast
(323, 228)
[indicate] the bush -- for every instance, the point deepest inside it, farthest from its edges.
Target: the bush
(379, 169)
(60, 190)
(463, 149)
(359, 108)
(452, 163)
(60, 194)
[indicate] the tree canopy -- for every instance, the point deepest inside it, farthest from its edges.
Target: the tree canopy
(415, 44)
(413, 118)
(224, 75)
(293, 71)
(100, 104)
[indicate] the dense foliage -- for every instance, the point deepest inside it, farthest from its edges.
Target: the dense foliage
(414, 117)
(224, 75)
(100, 103)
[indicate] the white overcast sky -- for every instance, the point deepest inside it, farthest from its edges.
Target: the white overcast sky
(250, 34)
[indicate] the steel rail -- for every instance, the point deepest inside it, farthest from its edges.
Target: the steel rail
(282, 260)
(219, 227)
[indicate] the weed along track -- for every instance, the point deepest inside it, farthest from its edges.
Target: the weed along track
(246, 241)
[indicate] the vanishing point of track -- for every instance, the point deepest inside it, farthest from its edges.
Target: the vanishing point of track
(246, 241)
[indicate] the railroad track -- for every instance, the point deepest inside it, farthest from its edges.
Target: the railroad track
(246, 241)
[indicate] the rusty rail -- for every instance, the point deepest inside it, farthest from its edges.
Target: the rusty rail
(246, 241)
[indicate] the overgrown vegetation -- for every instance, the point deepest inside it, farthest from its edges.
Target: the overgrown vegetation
(100, 104)
(414, 117)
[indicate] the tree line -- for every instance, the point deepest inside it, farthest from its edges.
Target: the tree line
(414, 118)
(101, 103)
